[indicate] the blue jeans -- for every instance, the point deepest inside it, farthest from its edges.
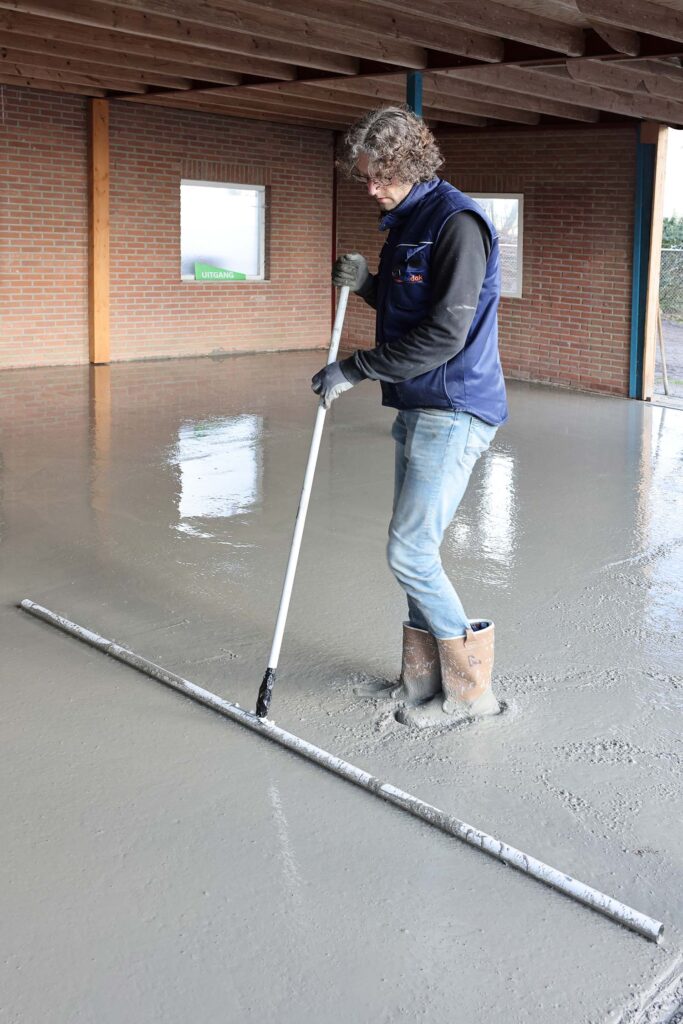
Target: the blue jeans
(436, 450)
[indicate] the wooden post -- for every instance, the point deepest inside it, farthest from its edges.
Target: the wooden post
(98, 256)
(657, 135)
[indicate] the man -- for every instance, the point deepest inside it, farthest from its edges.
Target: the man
(436, 295)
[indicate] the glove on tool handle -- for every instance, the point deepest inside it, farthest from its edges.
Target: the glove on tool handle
(266, 691)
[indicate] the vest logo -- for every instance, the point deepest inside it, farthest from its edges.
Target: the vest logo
(408, 279)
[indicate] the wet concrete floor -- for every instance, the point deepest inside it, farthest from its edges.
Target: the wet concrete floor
(159, 864)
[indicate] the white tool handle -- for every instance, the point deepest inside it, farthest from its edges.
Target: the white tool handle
(306, 491)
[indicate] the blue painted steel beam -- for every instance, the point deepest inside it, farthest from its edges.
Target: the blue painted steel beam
(642, 236)
(414, 91)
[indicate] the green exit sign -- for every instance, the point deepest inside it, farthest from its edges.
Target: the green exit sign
(205, 272)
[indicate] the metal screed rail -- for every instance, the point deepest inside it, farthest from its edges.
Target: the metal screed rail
(590, 897)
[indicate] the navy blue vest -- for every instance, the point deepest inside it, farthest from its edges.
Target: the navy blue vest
(473, 379)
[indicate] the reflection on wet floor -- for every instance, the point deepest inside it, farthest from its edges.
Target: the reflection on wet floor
(493, 520)
(571, 484)
(219, 469)
(498, 509)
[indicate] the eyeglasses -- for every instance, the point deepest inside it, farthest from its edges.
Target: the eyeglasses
(365, 179)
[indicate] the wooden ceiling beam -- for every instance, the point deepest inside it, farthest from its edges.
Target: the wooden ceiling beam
(48, 85)
(338, 21)
(636, 15)
(503, 98)
(27, 64)
(651, 48)
(665, 68)
(322, 122)
(621, 40)
(267, 101)
(252, 41)
(155, 72)
(122, 42)
(449, 113)
(496, 19)
(292, 25)
(447, 85)
(607, 75)
(69, 77)
(253, 99)
(435, 105)
(238, 110)
(552, 86)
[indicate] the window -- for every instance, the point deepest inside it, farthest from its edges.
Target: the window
(506, 211)
(222, 231)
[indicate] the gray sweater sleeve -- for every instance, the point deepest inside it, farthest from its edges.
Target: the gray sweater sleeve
(457, 269)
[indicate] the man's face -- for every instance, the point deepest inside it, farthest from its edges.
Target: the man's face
(387, 194)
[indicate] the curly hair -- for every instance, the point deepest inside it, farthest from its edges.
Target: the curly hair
(398, 145)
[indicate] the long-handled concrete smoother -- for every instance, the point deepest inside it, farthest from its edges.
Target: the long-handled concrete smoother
(265, 694)
(612, 908)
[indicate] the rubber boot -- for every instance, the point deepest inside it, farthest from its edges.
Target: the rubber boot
(420, 678)
(466, 669)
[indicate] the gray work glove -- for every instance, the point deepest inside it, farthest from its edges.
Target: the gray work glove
(350, 270)
(330, 383)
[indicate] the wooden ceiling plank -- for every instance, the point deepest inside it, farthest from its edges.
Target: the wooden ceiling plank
(445, 85)
(350, 114)
(328, 124)
(536, 83)
(252, 99)
(45, 85)
(434, 104)
(637, 15)
(621, 40)
(156, 49)
(336, 20)
(496, 19)
(453, 117)
(296, 47)
(236, 110)
(67, 76)
(553, 108)
(124, 78)
(362, 103)
(490, 111)
(262, 101)
(293, 27)
(124, 64)
(266, 101)
(660, 68)
(608, 75)
(370, 82)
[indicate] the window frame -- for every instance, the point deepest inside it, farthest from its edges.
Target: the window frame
(519, 196)
(262, 210)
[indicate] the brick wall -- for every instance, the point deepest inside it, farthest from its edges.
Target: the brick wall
(153, 312)
(570, 327)
(572, 324)
(43, 228)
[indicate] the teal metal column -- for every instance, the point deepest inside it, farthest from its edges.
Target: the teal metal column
(642, 235)
(414, 91)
